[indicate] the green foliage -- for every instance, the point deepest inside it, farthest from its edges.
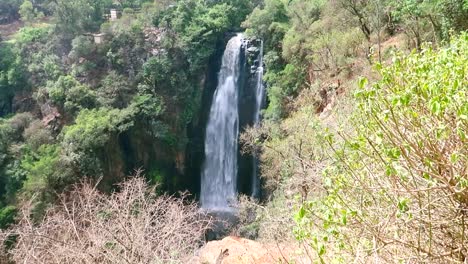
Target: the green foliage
(82, 46)
(37, 135)
(7, 216)
(68, 93)
(11, 173)
(41, 168)
(164, 75)
(6, 139)
(11, 77)
(283, 84)
(93, 128)
(78, 16)
(32, 54)
(115, 91)
(131, 3)
(28, 35)
(269, 22)
(147, 106)
(28, 13)
(155, 177)
(320, 38)
(431, 20)
(200, 27)
(302, 40)
(404, 163)
(126, 52)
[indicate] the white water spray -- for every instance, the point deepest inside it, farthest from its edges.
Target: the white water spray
(219, 176)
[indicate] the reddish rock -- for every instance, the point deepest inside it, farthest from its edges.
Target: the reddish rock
(235, 250)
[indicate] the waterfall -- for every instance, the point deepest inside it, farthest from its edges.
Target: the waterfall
(219, 172)
(259, 88)
(260, 101)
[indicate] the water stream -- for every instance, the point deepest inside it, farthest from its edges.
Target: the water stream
(219, 172)
(260, 101)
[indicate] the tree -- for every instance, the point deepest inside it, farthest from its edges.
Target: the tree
(269, 22)
(41, 171)
(71, 95)
(28, 13)
(77, 16)
(115, 91)
(359, 9)
(11, 77)
(430, 20)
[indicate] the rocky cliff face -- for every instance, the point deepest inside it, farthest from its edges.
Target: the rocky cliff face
(247, 109)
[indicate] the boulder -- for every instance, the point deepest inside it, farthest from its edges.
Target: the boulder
(253, 50)
(236, 250)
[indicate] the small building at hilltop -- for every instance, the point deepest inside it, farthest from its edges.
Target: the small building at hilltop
(99, 38)
(114, 14)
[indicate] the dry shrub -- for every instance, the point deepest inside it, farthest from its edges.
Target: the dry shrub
(3, 239)
(20, 121)
(270, 222)
(130, 226)
(292, 158)
(37, 134)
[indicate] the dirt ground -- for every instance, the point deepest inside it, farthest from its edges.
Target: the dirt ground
(7, 30)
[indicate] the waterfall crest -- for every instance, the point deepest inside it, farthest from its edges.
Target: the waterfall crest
(219, 172)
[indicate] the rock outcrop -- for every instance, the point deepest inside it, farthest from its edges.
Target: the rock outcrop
(236, 250)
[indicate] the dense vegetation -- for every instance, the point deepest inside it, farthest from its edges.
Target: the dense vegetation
(73, 108)
(363, 143)
(374, 172)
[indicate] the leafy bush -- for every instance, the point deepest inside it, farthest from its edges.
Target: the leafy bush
(93, 128)
(115, 91)
(268, 22)
(7, 216)
(28, 13)
(398, 187)
(68, 93)
(27, 35)
(41, 168)
(82, 46)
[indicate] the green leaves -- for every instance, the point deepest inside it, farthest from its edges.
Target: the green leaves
(300, 214)
(7, 216)
(72, 96)
(403, 205)
(40, 168)
(362, 82)
(405, 153)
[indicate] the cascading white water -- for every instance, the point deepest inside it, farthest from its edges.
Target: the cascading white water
(219, 176)
(260, 99)
(259, 88)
